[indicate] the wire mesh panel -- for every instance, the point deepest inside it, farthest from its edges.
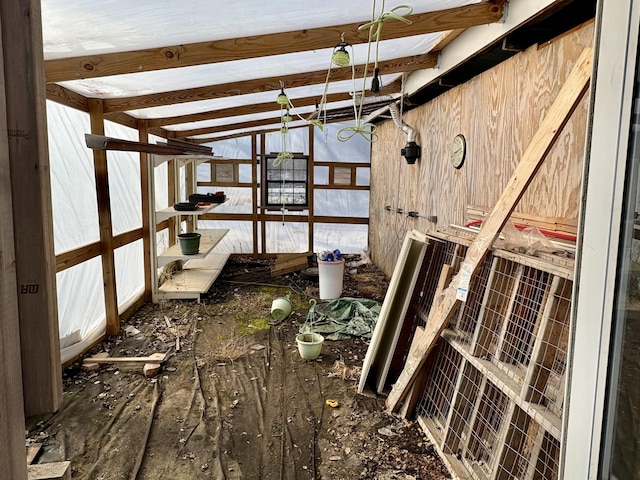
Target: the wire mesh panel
(496, 306)
(522, 444)
(485, 431)
(471, 310)
(514, 322)
(462, 410)
(516, 343)
(546, 466)
(436, 400)
(546, 385)
(443, 252)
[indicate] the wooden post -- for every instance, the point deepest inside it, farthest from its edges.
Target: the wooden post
(11, 399)
(147, 231)
(556, 118)
(104, 218)
(254, 191)
(25, 97)
(172, 187)
(310, 187)
(263, 166)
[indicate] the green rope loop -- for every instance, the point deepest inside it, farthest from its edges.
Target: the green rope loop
(367, 130)
(386, 16)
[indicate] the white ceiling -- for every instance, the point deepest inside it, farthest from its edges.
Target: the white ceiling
(77, 28)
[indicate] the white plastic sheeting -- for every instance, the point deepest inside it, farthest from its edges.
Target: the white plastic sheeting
(73, 28)
(80, 296)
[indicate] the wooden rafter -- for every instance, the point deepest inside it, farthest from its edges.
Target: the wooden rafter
(243, 110)
(397, 65)
(93, 66)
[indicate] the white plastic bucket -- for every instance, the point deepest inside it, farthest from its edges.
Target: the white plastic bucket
(330, 275)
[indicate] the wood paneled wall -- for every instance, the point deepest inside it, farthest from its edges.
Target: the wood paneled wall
(498, 112)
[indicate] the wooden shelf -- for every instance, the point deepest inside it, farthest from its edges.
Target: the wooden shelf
(208, 241)
(194, 279)
(172, 212)
(181, 159)
(198, 271)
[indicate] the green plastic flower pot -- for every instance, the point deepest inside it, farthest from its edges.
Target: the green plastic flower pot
(189, 243)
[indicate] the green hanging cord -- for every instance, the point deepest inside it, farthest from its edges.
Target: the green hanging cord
(375, 30)
(367, 130)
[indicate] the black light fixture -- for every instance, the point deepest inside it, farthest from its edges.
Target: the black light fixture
(375, 81)
(282, 98)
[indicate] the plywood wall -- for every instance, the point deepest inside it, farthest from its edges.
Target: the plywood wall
(498, 111)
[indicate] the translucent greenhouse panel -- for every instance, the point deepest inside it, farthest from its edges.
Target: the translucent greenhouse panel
(73, 186)
(346, 238)
(129, 261)
(81, 311)
(288, 238)
(124, 182)
(239, 239)
(327, 147)
(342, 203)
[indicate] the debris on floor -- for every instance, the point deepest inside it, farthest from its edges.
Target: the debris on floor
(237, 400)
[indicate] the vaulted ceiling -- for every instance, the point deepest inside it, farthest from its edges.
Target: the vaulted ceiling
(207, 70)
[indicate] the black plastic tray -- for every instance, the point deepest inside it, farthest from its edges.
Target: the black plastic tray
(186, 206)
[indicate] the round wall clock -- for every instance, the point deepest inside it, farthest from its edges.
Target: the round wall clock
(458, 150)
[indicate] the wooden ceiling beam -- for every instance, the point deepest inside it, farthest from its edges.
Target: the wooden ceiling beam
(397, 65)
(226, 127)
(66, 97)
(275, 120)
(93, 66)
(69, 98)
(243, 110)
(233, 135)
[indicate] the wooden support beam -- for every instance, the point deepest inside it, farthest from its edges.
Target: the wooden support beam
(254, 190)
(25, 98)
(104, 219)
(444, 306)
(100, 142)
(263, 222)
(231, 49)
(11, 399)
(311, 187)
(240, 110)
(396, 65)
(147, 231)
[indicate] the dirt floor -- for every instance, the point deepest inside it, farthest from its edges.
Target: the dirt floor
(234, 399)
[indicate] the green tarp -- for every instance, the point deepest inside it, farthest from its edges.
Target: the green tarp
(343, 318)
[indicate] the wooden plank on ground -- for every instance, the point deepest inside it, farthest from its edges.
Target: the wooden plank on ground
(153, 358)
(50, 471)
(444, 305)
(290, 262)
(32, 452)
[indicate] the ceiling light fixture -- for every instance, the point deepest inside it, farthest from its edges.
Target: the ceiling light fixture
(282, 98)
(375, 33)
(340, 57)
(368, 131)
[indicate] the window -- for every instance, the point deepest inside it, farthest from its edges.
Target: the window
(285, 181)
